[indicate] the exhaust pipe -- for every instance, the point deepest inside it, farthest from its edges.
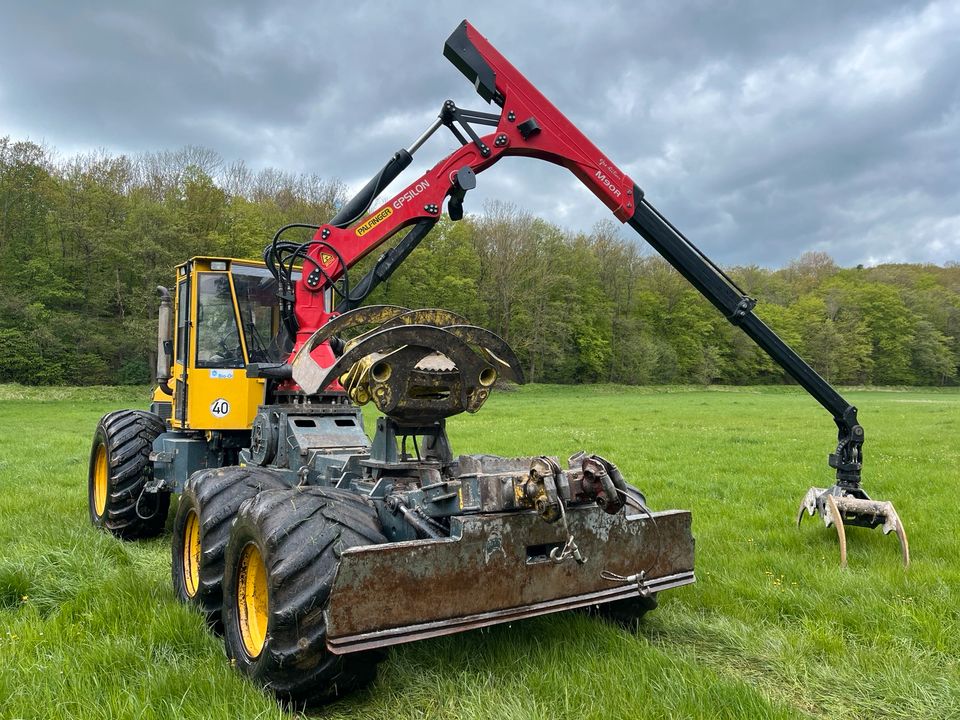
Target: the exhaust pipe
(164, 340)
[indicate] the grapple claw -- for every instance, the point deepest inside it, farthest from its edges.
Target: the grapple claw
(841, 507)
(836, 518)
(904, 544)
(876, 513)
(809, 503)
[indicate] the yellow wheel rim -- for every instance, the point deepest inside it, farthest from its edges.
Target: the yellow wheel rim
(191, 553)
(252, 601)
(100, 474)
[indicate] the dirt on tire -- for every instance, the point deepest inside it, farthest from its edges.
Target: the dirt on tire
(214, 495)
(300, 534)
(127, 439)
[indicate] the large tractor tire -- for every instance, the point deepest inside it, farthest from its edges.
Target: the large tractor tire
(201, 528)
(282, 556)
(119, 469)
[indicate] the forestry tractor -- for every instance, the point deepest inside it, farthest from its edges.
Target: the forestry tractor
(311, 546)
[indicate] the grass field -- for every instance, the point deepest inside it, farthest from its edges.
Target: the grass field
(772, 629)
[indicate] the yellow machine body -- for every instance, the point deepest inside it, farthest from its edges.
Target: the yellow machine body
(225, 317)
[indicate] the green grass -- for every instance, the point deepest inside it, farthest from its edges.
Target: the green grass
(772, 629)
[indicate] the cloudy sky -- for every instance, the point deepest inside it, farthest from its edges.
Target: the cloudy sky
(762, 129)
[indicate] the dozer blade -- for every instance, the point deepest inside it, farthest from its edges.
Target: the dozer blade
(839, 509)
(496, 568)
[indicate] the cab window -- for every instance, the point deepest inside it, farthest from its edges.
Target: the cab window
(256, 289)
(218, 340)
(183, 313)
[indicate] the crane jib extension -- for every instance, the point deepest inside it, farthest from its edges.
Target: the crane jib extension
(529, 125)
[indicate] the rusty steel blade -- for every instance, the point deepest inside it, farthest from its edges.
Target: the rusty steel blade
(495, 568)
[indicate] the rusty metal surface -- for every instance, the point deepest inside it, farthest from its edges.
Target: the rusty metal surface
(422, 631)
(415, 365)
(493, 347)
(426, 316)
(404, 392)
(306, 372)
(495, 568)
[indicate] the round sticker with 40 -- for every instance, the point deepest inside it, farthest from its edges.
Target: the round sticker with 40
(219, 408)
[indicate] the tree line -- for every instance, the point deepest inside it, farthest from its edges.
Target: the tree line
(85, 240)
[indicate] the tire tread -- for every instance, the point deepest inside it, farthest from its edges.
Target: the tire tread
(128, 436)
(217, 494)
(301, 565)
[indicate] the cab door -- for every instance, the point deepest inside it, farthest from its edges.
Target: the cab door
(181, 349)
(211, 388)
(222, 397)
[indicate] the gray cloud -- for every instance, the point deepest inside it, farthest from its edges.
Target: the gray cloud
(762, 129)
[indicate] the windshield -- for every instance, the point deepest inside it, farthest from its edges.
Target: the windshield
(218, 342)
(267, 340)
